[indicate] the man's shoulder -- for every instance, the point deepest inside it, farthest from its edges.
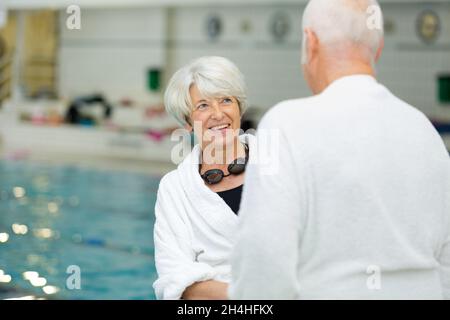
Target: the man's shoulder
(289, 109)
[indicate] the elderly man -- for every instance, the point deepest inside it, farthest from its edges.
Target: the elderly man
(359, 207)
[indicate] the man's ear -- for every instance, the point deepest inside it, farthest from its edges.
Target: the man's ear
(312, 41)
(380, 50)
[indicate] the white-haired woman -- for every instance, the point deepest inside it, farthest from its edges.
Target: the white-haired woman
(197, 204)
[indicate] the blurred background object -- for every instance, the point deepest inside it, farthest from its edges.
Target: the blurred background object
(84, 136)
(77, 114)
(40, 54)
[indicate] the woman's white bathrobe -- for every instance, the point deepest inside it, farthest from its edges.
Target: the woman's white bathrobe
(194, 229)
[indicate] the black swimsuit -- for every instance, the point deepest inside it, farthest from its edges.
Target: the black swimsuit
(232, 198)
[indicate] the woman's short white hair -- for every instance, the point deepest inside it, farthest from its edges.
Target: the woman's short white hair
(213, 76)
(336, 22)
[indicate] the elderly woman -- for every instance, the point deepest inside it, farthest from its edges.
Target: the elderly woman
(197, 204)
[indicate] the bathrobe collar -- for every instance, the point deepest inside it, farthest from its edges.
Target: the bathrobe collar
(208, 204)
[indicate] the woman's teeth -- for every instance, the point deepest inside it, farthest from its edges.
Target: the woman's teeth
(216, 128)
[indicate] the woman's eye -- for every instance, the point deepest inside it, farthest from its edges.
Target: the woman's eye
(202, 106)
(227, 100)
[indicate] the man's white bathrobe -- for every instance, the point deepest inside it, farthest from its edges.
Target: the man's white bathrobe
(194, 229)
(360, 205)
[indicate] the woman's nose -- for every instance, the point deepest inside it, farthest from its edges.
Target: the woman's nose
(217, 113)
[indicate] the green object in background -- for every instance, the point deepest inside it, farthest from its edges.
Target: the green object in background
(154, 79)
(444, 88)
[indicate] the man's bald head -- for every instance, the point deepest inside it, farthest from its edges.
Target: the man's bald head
(340, 23)
(340, 37)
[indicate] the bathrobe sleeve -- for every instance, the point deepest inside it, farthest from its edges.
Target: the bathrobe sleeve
(444, 257)
(174, 256)
(265, 257)
(445, 269)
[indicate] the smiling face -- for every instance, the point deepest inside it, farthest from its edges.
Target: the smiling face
(215, 120)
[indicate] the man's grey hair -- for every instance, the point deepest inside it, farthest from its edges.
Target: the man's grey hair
(341, 22)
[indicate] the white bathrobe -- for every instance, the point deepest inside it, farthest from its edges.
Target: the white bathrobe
(359, 207)
(194, 229)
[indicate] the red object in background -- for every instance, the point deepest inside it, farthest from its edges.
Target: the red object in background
(155, 135)
(155, 111)
(18, 155)
(126, 102)
(38, 119)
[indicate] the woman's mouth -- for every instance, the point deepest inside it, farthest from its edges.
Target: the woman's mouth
(220, 128)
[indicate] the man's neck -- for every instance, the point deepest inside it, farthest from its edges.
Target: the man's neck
(332, 74)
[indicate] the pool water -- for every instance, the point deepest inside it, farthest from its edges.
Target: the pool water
(100, 221)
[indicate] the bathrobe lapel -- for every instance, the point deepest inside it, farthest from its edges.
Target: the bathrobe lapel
(207, 204)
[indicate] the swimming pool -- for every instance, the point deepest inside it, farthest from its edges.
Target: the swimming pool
(53, 217)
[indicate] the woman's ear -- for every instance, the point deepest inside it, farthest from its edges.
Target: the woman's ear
(188, 126)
